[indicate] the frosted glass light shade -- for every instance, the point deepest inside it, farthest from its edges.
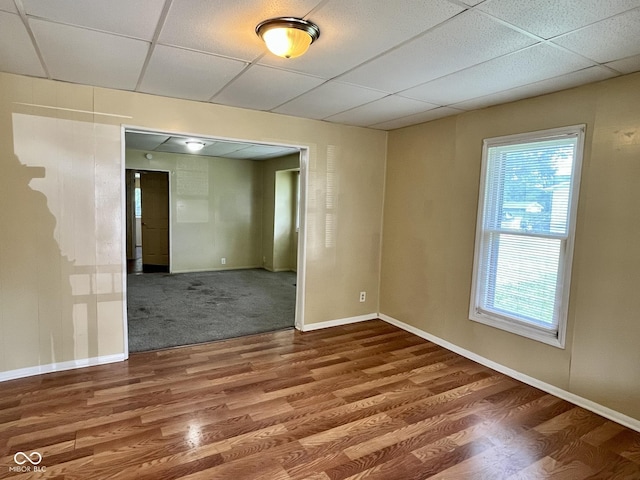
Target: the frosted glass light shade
(195, 146)
(288, 37)
(287, 42)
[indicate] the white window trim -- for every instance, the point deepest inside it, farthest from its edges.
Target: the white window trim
(556, 339)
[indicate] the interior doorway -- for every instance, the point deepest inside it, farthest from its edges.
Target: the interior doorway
(207, 210)
(148, 221)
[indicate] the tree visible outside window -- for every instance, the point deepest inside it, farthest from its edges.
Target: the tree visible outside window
(525, 231)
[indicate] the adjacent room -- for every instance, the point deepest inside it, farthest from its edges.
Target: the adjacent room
(212, 238)
(319, 239)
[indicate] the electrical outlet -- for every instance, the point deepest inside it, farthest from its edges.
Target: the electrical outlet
(363, 296)
(223, 261)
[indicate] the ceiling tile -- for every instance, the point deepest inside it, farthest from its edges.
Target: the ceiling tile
(182, 149)
(383, 110)
(252, 151)
(264, 88)
(8, 6)
(85, 56)
(626, 65)
(175, 72)
(275, 152)
(526, 66)
(17, 53)
(549, 18)
(573, 79)
(609, 40)
(418, 118)
(145, 141)
(226, 27)
(466, 40)
(135, 19)
(174, 148)
(329, 99)
(222, 149)
(349, 32)
(246, 150)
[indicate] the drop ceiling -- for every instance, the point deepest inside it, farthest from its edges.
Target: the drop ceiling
(158, 142)
(378, 63)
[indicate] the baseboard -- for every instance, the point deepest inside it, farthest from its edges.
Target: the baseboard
(585, 403)
(218, 269)
(60, 367)
(276, 270)
(338, 322)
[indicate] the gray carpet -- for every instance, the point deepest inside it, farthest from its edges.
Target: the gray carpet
(167, 310)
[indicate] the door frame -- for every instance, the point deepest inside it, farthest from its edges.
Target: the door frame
(168, 172)
(302, 237)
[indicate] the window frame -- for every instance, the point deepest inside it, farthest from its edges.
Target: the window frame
(505, 322)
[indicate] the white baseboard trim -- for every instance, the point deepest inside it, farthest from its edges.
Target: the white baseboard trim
(60, 367)
(340, 321)
(217, 269)
(585, 403)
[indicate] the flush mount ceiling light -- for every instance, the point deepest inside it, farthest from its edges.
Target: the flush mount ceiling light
(288, 37)
(194, 146)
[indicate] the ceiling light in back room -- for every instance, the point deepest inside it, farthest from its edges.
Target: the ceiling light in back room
(288, 37)
(194, 146)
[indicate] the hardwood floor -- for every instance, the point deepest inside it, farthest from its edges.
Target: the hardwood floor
(361, 401)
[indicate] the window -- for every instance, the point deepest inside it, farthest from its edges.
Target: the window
(137, 196)
(138, 202)
(524, 237)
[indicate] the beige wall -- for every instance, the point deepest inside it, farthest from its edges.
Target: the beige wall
(430, 210)
(60, 288)
(216, 209)
(61, 274)
(270, 170)
(293, 242)
(283, 222)
(224, 208)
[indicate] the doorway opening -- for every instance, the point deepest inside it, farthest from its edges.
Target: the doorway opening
(148, 223)
(229, 259)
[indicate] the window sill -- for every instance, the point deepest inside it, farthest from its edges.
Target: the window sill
(550, 338)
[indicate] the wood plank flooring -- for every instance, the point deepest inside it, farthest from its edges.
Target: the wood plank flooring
(361, 401)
